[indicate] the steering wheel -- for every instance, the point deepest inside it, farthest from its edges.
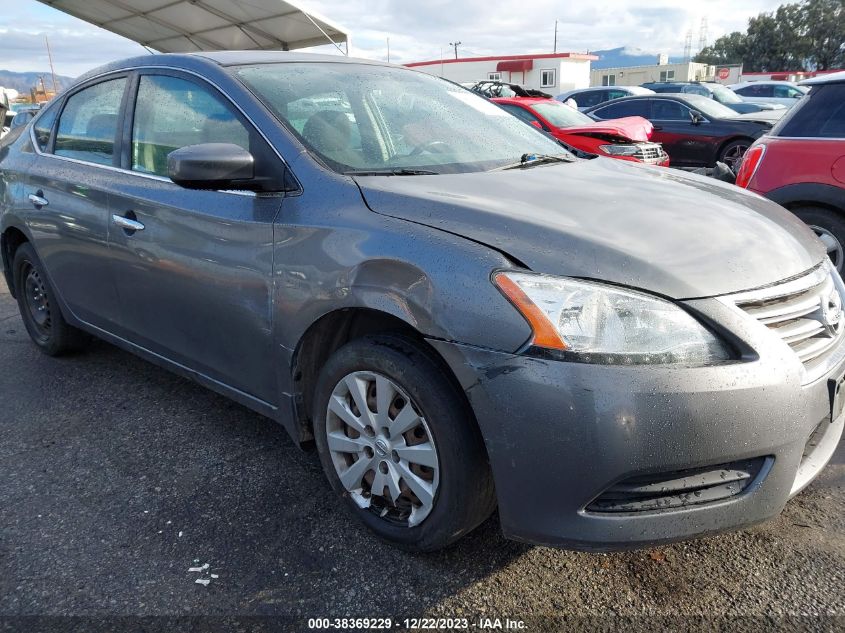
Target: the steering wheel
(435, 147)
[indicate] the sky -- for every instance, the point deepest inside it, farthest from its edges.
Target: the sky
(417, 30)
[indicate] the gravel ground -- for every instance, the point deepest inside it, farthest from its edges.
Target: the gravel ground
(117, 477)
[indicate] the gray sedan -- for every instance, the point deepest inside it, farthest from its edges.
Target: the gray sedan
(456, 311)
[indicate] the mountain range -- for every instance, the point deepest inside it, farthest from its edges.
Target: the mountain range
(22, 82)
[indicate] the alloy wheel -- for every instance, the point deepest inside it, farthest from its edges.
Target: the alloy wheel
(382, 448)
(733, 158)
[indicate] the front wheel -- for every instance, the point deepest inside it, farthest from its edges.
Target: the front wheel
(829, 226)
(399, 444)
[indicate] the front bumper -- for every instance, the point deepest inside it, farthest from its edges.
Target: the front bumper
(560, 434)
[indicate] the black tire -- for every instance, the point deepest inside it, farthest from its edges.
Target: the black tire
(733, 152)
(826, 221)
(465, 496)
(39, 310)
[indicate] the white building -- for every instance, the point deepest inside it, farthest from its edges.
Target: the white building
(636, 75)
(552, 73)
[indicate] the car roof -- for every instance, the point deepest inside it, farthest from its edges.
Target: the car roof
(832, 78)
(190, 61)
(766, 82)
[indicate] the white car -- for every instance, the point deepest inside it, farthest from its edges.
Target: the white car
(783, 92)
(586, 98)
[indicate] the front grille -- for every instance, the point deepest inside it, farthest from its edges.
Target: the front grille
(678, 488)
(805, 312)
(649, 152)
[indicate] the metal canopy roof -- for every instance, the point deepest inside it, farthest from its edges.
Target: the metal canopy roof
(181, 26)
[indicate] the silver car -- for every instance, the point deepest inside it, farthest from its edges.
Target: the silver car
(784, 93)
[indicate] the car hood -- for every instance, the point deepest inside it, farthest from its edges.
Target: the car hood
(679, 235)
(632, 128)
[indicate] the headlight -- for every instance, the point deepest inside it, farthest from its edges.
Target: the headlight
(620, 150)
(597, 323)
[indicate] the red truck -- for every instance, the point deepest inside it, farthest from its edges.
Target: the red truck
(801, 163)
(625, 139)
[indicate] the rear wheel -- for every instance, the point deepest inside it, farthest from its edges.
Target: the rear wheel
(733, 152)
(37, 304)
(398, 443)
(829, 225)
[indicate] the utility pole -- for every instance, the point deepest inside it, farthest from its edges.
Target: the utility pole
(688, 46)
(388, 50)
(52, 70)
(455, 44)
(555, 36)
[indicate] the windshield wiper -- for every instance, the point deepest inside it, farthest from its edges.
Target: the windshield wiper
(391, 172)
(531, 160)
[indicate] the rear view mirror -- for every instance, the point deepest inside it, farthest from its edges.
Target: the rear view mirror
(212, 166)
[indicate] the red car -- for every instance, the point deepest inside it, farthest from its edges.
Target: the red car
(801, 163)
(625, 139)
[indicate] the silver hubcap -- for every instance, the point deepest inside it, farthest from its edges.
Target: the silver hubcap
(834, 248)
(382, 449)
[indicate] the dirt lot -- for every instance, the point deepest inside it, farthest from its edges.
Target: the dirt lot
(117, 477)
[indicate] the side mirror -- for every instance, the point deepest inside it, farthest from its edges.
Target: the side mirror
(696, 117)
(212, 166)
(536, 124)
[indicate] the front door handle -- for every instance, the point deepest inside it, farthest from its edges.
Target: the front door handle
(127, 224)
(38, 200)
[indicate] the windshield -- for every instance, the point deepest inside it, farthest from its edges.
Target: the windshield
(561, 115)
(710, 108)
(725, 95)
(360, 117)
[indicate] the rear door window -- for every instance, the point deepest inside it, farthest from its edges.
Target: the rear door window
(618, 109)
(590, 98)
(664, 110)
(88, 124)
(821, 114)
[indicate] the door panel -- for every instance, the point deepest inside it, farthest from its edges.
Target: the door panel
(71, 231)
(195, 283)
(687, 144)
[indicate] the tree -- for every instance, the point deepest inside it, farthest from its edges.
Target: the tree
(823, 26)
(798, 36)
(728, 49)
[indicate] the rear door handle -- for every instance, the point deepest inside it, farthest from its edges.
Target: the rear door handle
(658, 128)
(127, 224)
(38, 199)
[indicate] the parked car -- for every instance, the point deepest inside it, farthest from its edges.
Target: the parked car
(587, 98)
(441, 300)
(801, 163)
(625, 139)
(695, 131)
(711, 90)
(783, 93)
